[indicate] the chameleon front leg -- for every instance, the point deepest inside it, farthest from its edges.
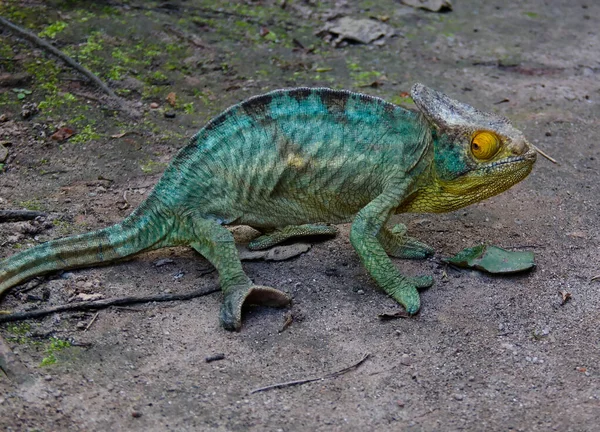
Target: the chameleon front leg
(279, 235)
(397, 244)
(216, 244)
(364, 236)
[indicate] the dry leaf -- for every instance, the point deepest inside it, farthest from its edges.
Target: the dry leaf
(63, 134)
(172, 99)
(566, 296)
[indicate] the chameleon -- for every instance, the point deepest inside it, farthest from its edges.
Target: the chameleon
(295, 162)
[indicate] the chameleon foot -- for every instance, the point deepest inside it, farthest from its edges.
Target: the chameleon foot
(408, 296)
(397, 244)
(271, 239)
(236, 296)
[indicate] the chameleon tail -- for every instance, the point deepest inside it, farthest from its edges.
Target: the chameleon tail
(143, 230)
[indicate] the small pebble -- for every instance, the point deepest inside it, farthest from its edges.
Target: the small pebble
(458, 397)
(214, 357)
(400, 403)
(170, 114)
(136, 414)
(154, 105)
(48, 377)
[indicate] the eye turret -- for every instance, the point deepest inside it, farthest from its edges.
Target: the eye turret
(485, 145)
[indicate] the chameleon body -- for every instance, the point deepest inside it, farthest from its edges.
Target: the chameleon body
(289, 163)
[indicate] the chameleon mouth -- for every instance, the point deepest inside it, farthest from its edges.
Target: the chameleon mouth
(529, 158)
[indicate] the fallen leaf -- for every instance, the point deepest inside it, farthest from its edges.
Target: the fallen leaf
(387, 316)
(277, 253)
(172, 99)
(566, 296)
(492, 259)
(88, 297)
(430, 5)
(63, 134)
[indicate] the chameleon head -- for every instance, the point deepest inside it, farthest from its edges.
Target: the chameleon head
(476, 154)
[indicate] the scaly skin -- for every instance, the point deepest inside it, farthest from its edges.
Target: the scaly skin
(292, 161)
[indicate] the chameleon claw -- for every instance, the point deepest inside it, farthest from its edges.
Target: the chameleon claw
(237, 296)
(408, 296)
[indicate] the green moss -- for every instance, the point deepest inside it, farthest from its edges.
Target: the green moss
(32, 204)
(18, 334)
(62, 227)
(53, 29)
(188, 108)
(87, 133)
(402, 100)
(150, 166)
(51, 349)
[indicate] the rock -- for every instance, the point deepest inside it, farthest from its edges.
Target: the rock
(3, 153)
(357, 30)
(28, 110)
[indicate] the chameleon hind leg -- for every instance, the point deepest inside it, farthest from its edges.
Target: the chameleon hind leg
(216, 244)
(397, 244)
(279, 235)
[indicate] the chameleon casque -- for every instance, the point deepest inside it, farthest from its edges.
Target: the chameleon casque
(290, 162)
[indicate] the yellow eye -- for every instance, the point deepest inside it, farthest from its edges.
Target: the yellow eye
(485, 145)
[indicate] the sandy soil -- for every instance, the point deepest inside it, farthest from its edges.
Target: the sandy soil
(485, 353)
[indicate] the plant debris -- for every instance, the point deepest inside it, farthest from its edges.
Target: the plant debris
(62, 134)
(430, 5)
(566, 296)
(492, 259)
(388, 316)
(308, 380)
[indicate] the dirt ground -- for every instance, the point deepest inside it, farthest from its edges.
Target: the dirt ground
(485, 353)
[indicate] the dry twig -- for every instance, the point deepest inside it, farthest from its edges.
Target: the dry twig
(101, 304)
(70, 62)
(19, 215)
(309, 380)
(92, 321)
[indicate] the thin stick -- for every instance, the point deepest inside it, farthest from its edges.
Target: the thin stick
(551, 159)
(92, 321)
(309, 380)
(19, 215)
(68, 60)
(101, 304)
(10, 364)
(595, 278)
